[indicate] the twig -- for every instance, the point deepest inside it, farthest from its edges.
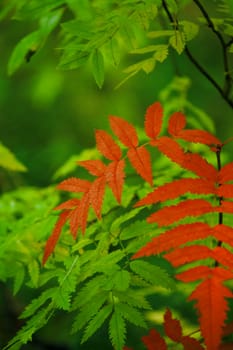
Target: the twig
(227, 85)
(224, 92)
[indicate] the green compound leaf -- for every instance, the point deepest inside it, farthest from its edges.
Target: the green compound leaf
(19, 278)
(152, 274)
(88, 310)
(97, 322)
(132, 314)
(97, 61)
(119, 280)
(117, 329)
(9, 161)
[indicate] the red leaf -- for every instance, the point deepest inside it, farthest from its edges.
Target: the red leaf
(154, 341)
(78, 218)
(170, 148)
(185, 255)
(140, 159)
(52, 241)
(96, 195)
(226, 173)
(199, 136)
(224, 257)
(115, 177)
(194, 274)
(107, 146)
(74, 184)
(191, 344)
(174, 237)
(223, 233)
(226, 207)
(74, 222)
(172, 327)
(177, 188)
(124, 131)
(212, 306)
(199, 166)
(70, 204)
(95, 167)
(153, 120)
(176, 123)
(190, 161)
(225, 191)
(190, 207)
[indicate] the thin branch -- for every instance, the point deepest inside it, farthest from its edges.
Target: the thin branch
(198, 65)
(227, 86)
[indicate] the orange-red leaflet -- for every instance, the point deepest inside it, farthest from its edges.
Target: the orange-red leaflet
(153, 120)
(107, 146)
(176, 123)
(125, 131)
(140, 159)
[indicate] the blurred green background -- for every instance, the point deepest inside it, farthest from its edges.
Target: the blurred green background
(46, 115)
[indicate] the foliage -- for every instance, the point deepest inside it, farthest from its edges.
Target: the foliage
(96, 278)
(99, 32)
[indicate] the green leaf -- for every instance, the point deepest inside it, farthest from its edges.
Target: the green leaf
(132, 315)
(62, 298)
(148, 65)
(161, 53)
(177, 41)
(134, 298)
(160, 33)
(119, 280)
(37, 303)
(19, 278)
(9, 161)
(89, 310)
(114, 51)
(97, 61)
(146, 49)
(117, 329)
(73, 59)
(49, 22)
(34, 269)
(89, 291)
(152, 273)
(35, 9)
(34, 324)
(124, 218)
(25, 47)
(138, 228)
(190, 29)
(96, 322)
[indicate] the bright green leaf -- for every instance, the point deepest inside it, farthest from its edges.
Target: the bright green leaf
(97, 322)
(117, 329)
(161, 53)
(29, 45)
(152, 273)
(177, 41)
(97, 61)
(9, 161)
